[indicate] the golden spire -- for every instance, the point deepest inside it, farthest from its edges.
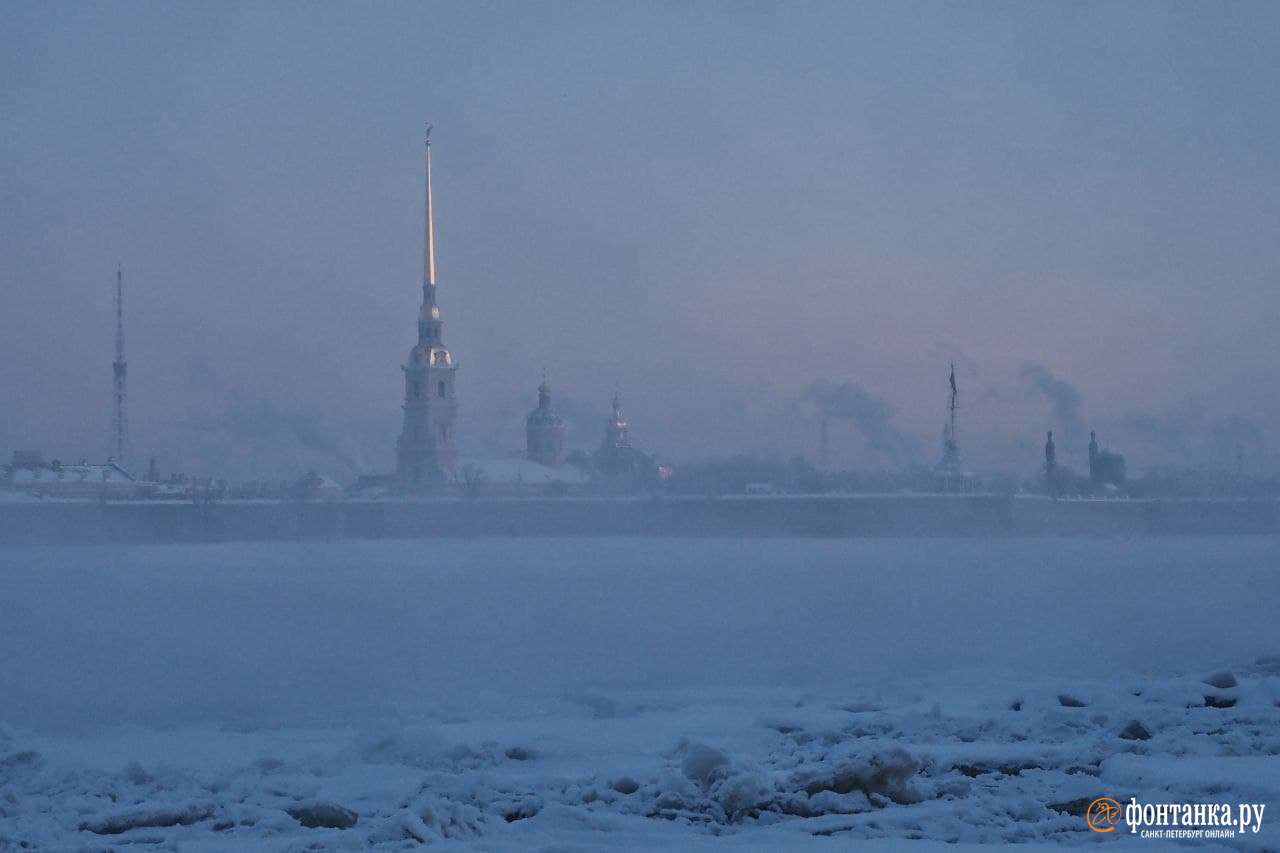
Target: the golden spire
(429, 248)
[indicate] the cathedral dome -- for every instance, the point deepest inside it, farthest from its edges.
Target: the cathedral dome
(544, 415)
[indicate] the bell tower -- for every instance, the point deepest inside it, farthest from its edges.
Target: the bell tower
(427, 450)
(544, 431)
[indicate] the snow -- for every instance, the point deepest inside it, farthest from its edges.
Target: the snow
(632, 694)
(96, 475)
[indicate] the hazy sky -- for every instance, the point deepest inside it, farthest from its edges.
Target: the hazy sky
(710, 205)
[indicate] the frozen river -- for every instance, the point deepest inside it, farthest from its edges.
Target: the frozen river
(288, 632)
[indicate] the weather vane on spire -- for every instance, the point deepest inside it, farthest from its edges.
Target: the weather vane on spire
(428, 134)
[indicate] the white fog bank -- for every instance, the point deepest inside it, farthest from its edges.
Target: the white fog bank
(330, 633)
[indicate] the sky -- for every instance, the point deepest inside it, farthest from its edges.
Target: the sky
(714, 208)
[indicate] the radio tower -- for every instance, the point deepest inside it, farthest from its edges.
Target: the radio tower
(120, 411)
(950, 463)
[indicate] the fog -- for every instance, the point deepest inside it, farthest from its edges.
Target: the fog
(324, 633)
(788, 240)
(710, 207)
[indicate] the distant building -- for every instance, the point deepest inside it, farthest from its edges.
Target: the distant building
(183, 487)
(517, 478)
(1106, 467)
(31, 474)
(544, 432)
(369, 486)
(426, 452)
(615, 454)
(617, 460)
(29, 459)
(315, 487)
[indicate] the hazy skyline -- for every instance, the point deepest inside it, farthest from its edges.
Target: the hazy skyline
(712, 206)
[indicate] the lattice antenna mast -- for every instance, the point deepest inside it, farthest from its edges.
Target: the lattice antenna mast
(120, 410)
(951, 407)
(950, 463)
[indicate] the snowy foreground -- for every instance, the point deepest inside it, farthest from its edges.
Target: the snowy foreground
(551, 695)
(765, 770)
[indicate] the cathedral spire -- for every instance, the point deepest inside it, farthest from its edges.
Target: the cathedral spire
(430, 326)
(616, 429)
(429, 246)
(427, 450)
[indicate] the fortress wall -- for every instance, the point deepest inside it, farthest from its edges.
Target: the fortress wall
(790, 516)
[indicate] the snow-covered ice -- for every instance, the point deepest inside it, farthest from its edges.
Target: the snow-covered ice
(637, 694)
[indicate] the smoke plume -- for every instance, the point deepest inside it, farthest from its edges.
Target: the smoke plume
(1061, 394)
(848, 401)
